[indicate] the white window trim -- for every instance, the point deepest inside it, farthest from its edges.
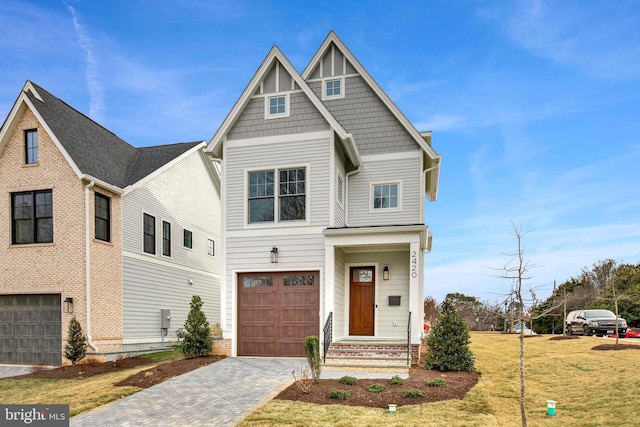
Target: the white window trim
(287, 110)
(382, 210)
(324, 88)
(207, 246)
(340, 188)
(183, 246)
(276, 214)
(171, 239)
(155, 245)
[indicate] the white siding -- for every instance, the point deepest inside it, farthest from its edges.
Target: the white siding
(183, 195)
(407, 171)
(339, 299)
(339, 208)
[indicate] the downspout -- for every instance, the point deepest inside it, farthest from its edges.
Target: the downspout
(346, 193)
(87, 262)
(426, 171)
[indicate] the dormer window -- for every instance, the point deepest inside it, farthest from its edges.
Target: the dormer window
(31, 146)
(277, 106)
(333, 88)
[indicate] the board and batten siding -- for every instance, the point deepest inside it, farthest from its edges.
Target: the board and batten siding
(397, 285)
(407, 172)
(374, 128)
(242, 158)
(152, 286)
(251, 254)
(185, 196)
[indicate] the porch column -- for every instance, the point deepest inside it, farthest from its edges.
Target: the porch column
(415, 299)
(327, 304)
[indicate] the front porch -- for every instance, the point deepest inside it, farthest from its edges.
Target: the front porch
(370, 354)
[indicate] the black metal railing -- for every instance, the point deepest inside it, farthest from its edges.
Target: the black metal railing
(328, 335)
(409, 340)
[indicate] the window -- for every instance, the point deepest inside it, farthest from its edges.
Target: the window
(149, 234)
(166, 238)
(277, 106)
(31, 146)
(340, 192)
(211, 247)
(102, 217)
(385, 196)
(257, 282)
(298, 280)
(187, 239)
(333, 88)
(261, 196)
(291, 196)
(32, 217)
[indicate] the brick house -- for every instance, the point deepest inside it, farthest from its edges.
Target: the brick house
(97, 229)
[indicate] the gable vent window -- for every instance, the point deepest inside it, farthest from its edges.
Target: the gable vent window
(31, 146)
(277, 106)
(333, 88)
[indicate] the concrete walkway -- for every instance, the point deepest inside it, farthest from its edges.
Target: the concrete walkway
(220, 394)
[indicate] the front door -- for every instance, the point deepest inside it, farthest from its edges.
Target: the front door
(361, 300)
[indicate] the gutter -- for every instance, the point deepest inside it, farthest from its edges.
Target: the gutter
(346, 193)
(87, 262)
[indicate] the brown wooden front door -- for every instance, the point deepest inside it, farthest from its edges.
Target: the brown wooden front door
(276, 312)
(361, 300)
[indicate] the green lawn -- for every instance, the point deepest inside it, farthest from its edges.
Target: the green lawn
(592, 388)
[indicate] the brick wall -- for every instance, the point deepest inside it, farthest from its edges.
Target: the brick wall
(59, 267)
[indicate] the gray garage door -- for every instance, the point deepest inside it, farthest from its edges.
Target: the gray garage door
(30, 330)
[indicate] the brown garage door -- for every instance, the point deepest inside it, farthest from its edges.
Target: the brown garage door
(276, 312)
(30, 329)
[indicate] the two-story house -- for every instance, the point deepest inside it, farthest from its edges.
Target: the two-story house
(324, 183)
(94, 228)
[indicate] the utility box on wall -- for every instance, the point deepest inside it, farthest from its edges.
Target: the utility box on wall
(165, 318)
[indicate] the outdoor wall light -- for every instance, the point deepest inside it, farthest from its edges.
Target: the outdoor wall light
(385, 272)
(274, 254)
(68, 305)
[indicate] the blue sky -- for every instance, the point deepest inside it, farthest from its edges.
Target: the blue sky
(534, 105)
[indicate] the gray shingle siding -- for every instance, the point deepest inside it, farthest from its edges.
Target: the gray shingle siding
(367, 118)
(304, 117)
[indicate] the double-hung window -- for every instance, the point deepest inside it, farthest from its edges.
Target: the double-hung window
(32, 217)
(385, 196)
(149, 234)
(31, 146)
(187, 238)
(102, 217)
(290, 198)
(166, 238)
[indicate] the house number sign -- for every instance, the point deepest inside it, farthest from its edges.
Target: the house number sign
(414, 264)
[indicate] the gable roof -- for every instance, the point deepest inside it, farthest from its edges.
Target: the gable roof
(92, 151)
(275, 54)
(432, 159)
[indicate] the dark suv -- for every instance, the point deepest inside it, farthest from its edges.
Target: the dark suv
(594, 322)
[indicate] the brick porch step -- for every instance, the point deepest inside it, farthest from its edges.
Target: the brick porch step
(367, 355)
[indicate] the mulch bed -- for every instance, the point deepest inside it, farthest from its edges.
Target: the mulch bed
(616, 347)
(564, 337)
(458, 385)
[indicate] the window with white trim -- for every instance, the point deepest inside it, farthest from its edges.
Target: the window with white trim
(149, 234)
(187, 238)
(385, 196)
(333, 88)
(277, 106)
(211, 247)
(166, 238)
(290, 199)
(340, 189)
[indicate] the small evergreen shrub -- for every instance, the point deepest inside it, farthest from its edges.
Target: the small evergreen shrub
(437, 382)
(396, 380)
(375, 388)
(76, 347)
(197, 333)
(312, 350)
(413, 393)
(348, 380)
(339, 394)
(449, 342)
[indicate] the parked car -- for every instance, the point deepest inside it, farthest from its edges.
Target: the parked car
(594, 322)
(527, 331)
(632, 333)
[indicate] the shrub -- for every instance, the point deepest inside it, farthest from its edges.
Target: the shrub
(375, 388)
(437, 382)
(348, 380)
(449, 341)
(76, 347)
(413, 393)
(304, 383)
(339, 394)
(312, 350)
(197, 333)
(396, 380)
